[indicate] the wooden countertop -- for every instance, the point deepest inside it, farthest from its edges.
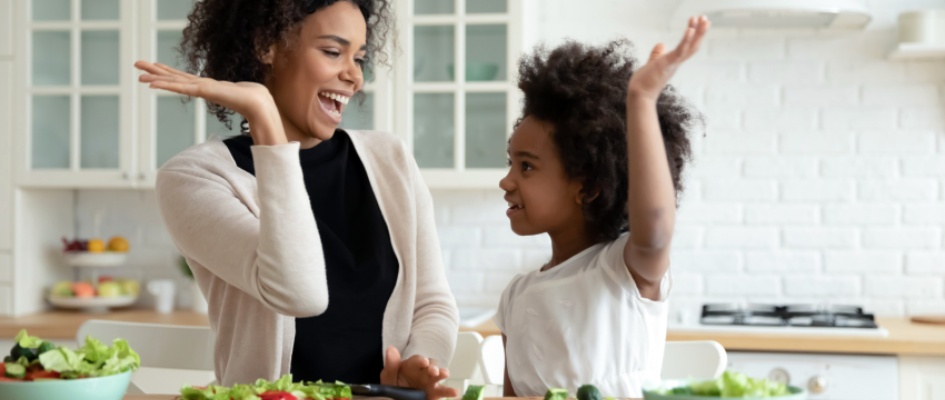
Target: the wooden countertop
(905, 337)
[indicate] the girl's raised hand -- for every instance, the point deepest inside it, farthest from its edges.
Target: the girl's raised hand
(649, 81)
(250, 99)
(416, 372)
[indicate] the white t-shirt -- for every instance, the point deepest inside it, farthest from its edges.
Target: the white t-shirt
(583, 321)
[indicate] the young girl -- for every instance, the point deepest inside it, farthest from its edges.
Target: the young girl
(591, 157)
(315, 247)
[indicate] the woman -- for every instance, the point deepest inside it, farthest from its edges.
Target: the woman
(315, 247)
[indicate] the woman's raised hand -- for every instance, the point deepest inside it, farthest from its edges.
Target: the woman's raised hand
(416, 372)
(250, 99)
(649, 81)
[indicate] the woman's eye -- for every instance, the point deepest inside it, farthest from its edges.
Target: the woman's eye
(331, 53)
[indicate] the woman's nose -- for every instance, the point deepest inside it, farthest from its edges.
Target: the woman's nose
(352, 73)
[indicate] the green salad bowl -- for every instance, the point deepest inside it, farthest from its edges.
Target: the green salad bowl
(653, 392)
(110, 387)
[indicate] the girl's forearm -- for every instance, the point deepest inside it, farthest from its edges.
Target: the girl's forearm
(651, 201)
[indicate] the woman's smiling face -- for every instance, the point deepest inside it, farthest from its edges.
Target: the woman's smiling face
(541, 196)
(313, 79)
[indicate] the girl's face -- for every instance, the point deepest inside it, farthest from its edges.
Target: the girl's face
(541, 197)
(314, 78)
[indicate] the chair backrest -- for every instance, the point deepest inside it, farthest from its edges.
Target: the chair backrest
(465, 360)
(696, 359)
(492, 359)
(159, 345)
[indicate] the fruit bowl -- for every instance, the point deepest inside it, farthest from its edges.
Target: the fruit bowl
(105, 259)
(91, 304)
(112, 387)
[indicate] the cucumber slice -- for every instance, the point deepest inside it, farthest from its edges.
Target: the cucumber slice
(15, 370)
(473, 392)
(556, 394)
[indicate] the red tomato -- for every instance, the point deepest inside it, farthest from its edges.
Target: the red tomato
(3, 369)
(42, 375)
(277, 395)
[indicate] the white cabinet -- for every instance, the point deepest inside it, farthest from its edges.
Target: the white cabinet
(89, 124)
(455, 92)
(75, 93)
(921, 378)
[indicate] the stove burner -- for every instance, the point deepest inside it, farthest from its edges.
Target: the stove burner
(802, 315)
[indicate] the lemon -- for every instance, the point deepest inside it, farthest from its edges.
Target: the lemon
(118, 243)
(96, 246)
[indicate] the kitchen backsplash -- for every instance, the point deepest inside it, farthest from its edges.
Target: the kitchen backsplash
(820, 175)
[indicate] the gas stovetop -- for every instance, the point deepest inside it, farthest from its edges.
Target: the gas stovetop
(796, 315)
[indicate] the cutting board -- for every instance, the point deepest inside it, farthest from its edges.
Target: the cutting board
(928, 319)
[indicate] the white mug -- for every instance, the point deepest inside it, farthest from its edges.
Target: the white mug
(163, 292)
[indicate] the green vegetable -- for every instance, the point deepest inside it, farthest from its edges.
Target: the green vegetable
(732, 384)
(26, 341)
(473, 392)
(15, 371)
(588, 392)
(22, 352)
(91, 360)
(313, 390)
(46, 346)
(556, 394)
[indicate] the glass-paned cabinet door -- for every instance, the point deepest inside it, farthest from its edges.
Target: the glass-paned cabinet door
(170, 123)
(459, 86)
(78, 128)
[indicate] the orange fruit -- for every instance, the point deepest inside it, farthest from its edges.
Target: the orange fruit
(118, 243)
(96, 245)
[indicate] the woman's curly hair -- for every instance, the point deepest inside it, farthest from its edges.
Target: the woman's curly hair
(224, 38)
(581, 91)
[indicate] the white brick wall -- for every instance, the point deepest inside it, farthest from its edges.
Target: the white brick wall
(821, 176)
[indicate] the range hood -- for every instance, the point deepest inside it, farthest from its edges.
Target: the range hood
(826, 14)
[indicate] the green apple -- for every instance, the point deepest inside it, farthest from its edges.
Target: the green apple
(130, 287)
(62, 289)
(109, 289)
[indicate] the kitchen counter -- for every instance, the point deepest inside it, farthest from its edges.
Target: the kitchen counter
(172, 397)
(905, 337)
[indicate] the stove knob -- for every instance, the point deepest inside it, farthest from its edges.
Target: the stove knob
(779, 375)
(817, 384)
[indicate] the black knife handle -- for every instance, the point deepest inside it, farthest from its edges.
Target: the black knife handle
(400, 393)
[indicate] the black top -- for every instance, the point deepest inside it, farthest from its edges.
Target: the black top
(344, 343)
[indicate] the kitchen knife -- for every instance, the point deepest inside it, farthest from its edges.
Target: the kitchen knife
(393, 392)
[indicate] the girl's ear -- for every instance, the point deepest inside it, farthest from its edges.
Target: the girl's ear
(586, 196)
(269, 55)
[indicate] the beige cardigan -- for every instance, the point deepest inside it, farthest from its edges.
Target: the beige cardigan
(254, 248)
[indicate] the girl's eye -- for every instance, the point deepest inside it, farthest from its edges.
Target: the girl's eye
(526, 166)
(508, 162)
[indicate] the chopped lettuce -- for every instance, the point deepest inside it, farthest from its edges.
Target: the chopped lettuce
(26, 341)
(91, 360)
(301, 390)
(732, 384)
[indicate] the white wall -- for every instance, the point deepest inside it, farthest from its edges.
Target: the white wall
(821, 175)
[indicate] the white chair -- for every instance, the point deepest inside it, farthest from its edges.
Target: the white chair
(696, 359)
(464, 366)
(171, 355)
(492, 360)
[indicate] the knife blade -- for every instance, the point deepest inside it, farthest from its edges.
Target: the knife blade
(393, 392)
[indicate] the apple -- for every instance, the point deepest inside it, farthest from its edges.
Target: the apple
(109, 289)
(83, 289)
(130, 287)
(62, 289)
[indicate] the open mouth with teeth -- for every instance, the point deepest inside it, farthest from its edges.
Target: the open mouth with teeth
(514, 208)
(333, 104)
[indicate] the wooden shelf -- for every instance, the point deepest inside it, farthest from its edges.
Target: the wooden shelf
(917, 51)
